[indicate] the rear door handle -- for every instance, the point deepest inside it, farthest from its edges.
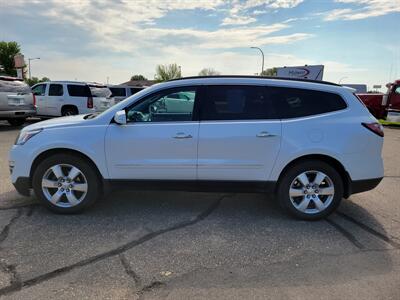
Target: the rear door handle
(264, 134)
(182, 135)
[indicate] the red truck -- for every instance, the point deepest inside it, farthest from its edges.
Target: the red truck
(380, 104)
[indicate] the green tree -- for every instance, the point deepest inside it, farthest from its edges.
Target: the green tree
(269, 72)
(167, 72)
(7, 52)
(138, 77)
(208, 72)
(32, 81)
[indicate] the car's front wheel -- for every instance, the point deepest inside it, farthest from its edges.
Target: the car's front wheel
(310, 190)
(66, 183)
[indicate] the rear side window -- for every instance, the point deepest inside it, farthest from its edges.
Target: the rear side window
(14, 86)
(56, 90)
(117, 92)
(295, 103)
(79, 90)
(135, 90)
(236, 103)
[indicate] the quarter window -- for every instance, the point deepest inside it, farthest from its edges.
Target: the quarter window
(56, 90)
(295, 103)
(168, 106)
(236, 103)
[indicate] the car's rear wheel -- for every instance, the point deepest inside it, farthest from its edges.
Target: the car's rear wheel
(310, 190)
(16, 122)
(66, 183)
(69, 111)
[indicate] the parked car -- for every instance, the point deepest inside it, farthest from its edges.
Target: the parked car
(101, 94)
(63, 98)
(308, 143)
(120, 92)
(380, 104)
(16, 101)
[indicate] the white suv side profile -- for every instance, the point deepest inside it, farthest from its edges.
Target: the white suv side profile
(309, 143)
(63, 98)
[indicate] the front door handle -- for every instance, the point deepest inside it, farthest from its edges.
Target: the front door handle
(182, 135)
(263, 134)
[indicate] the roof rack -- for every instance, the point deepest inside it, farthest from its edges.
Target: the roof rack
(258, 77)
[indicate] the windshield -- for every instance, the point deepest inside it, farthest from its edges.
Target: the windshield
(100, 91)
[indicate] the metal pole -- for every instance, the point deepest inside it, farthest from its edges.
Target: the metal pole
(342, 79)
(29, 67)
(262, 54)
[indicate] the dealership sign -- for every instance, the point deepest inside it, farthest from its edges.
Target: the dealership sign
(306, 72)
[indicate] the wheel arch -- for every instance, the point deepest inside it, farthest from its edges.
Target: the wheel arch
(327, 159)
(43, 155)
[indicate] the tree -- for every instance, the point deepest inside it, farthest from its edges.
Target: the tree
(208, 72)
(7, 52)
(138, 77)
(167, 72)
(269, 72)
(32, 81)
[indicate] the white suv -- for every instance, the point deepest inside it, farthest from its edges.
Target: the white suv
(62, 98)
(309, 143)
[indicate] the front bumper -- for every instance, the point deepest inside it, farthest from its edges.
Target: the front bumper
(23, 186)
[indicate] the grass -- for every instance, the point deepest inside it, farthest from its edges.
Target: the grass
(387, 123)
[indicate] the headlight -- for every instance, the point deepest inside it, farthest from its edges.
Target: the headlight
(24, 136)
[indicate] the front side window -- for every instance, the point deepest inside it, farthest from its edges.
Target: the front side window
(56, 90)
(236, 103)
(295, 103)
(397, 90)
(167, 106)
(39, 90)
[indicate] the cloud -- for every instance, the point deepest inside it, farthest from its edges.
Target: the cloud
(368, 9)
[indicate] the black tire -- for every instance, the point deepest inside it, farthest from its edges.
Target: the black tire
(310, 166)
(69, 111)
(16, 122)
(94, 187)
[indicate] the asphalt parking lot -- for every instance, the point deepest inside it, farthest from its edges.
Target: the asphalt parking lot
(180, 245)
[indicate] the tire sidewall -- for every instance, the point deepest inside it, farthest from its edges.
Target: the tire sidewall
(293, 172)
(85, 167)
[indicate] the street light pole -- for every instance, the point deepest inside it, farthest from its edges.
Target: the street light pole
(29, 65)
(262, 54)
(342, 79)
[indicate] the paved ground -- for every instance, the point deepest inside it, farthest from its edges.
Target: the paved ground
(180, 245)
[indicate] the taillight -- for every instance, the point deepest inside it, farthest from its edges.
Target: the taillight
(89, 102)
(375, 128)
(34, 100)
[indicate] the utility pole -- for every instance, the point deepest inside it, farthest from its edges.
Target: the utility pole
(262, 54)
(29, 65)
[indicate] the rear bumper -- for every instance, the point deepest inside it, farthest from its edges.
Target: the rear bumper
(23, 186)
(13, 114)
(359, 186)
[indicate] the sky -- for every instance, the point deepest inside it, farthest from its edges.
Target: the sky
(357, 40)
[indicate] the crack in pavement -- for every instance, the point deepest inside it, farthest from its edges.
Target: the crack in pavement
(346, 234)
(148, 288)
(129, 271)
(15, 280)
(370, 230)
(116, 251)
(6, 229)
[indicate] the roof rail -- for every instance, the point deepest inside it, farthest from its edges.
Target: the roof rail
(258, 77)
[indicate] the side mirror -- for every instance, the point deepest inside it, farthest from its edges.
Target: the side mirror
(120, 117)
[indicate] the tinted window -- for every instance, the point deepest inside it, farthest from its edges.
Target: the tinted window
(79, 90)
(135, 90)
(236, 103)
(39, 90)
(56, 90)
(294, 103)
(14, 86)
(117, 92)
(165, 107)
